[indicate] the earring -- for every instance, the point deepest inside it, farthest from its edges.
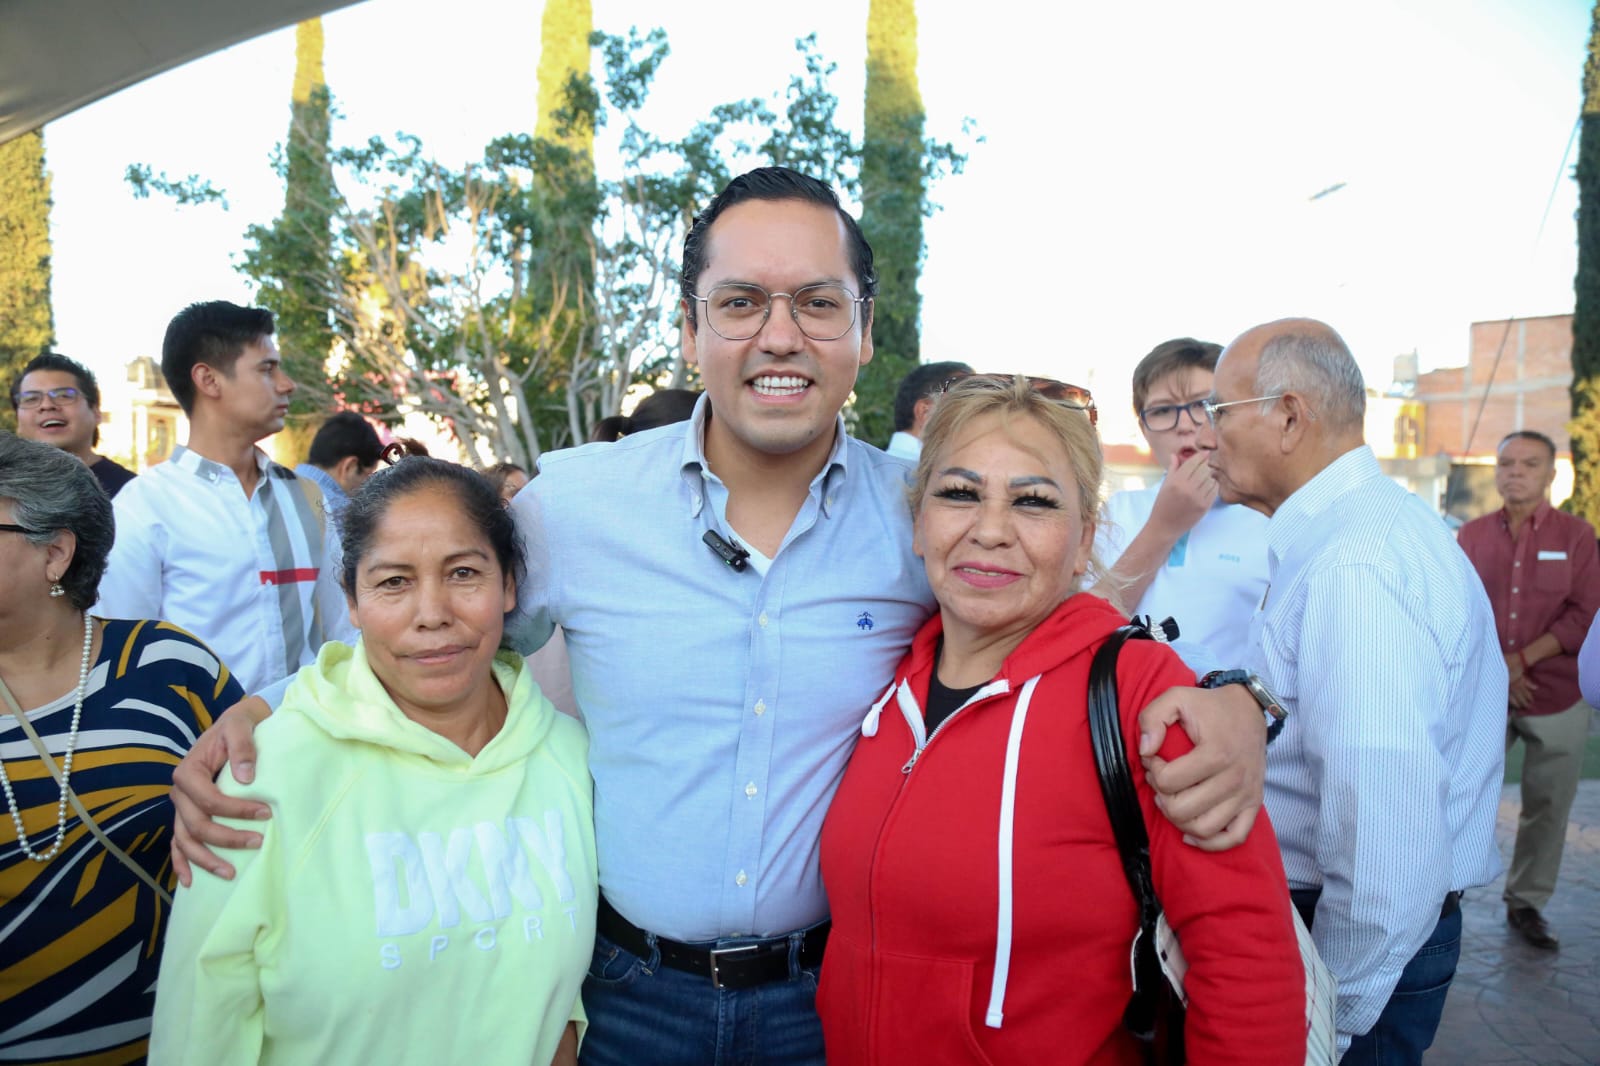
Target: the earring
(56, 590)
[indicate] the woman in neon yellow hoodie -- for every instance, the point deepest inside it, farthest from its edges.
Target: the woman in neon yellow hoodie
(426, 887)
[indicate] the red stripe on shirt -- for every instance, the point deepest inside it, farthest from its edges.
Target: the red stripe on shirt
(288, 577)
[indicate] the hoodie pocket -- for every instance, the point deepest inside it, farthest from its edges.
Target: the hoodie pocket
(927, 1007)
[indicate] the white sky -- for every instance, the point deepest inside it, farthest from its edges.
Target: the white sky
(1145, 172)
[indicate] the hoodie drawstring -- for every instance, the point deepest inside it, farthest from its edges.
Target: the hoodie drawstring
(1008, 804)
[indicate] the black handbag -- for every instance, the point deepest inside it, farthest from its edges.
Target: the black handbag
(1155, 1010)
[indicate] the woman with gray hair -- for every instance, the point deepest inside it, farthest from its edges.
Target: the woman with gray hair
(94, 715)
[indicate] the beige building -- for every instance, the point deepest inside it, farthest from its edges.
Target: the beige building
(142, 422)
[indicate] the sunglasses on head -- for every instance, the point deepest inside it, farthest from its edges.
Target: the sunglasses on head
(1074, 396)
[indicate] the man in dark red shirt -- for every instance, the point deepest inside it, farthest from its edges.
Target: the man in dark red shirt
(1541, 571)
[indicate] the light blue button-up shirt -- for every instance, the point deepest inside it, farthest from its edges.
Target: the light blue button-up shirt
(1383, 789)
(721, 704)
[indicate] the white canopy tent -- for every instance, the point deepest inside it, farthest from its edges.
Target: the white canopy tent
(58, 55)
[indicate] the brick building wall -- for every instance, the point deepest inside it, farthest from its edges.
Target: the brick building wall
(1529, 388)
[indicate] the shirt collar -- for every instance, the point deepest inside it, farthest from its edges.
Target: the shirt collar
(1540, 512)
(1298, 513)
(206, 470)
(694, 468)
(331, 489)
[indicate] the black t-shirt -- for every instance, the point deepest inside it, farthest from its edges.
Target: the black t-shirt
(943, 702)
(110, 475)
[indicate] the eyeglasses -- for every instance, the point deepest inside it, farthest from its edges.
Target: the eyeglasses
(7, 527)
(1164, 417)
(1213, 408)
(1074, 396)
(60, 397)
(822, 312)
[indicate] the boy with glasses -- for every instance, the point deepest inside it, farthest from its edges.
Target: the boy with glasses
(1174, 549)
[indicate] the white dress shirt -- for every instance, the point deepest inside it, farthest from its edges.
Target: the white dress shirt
(905, 446)
(244, 574)
(1383, 787)
(1213, 578)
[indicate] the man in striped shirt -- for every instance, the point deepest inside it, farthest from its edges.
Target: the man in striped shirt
(219, 539)
(1377, 637)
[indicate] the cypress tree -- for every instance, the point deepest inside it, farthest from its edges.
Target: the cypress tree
(894, 200)
(565, 201)
(27, 324)
(1585, 425)
(299, 247)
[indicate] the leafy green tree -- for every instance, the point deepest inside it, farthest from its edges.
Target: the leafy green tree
(893, 202)
(516, 299)
(27, 325)
(1585, 425)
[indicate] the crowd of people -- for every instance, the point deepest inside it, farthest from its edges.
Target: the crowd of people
(288, 779)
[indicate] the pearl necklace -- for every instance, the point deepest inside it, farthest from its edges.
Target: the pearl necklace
(66, 762)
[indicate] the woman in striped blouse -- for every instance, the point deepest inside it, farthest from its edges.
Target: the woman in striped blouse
(114, 704)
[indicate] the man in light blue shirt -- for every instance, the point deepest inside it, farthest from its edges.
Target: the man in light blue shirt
(1377, 637)
(343, 454)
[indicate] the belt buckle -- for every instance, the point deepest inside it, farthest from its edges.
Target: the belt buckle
(716, 978)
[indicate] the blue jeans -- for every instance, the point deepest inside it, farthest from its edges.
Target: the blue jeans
(1411, 1017)
(645, 1014)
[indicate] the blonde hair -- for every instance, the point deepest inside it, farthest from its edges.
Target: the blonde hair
(1013, 398)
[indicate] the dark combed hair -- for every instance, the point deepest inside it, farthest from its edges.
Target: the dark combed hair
(359, 521)
(1529, 434)
(215, 333)
(50, 491)
(345, 433)
(661, 408)
(1183, 353)
(60, 363)
(925, 380)
(771, 183)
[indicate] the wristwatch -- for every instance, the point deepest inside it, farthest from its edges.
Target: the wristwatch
(1258, 690)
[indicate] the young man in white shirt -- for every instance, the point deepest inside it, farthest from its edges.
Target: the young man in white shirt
(1174, 548)
(219, 539)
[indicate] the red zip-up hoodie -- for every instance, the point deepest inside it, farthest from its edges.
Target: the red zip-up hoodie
(980, 911)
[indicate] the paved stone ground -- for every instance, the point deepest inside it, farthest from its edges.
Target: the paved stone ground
(1511, 1003)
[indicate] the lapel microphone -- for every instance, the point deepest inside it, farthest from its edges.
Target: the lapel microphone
(731, 554)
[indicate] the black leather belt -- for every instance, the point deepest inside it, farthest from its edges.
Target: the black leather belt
(1305, 901)
(758, 962)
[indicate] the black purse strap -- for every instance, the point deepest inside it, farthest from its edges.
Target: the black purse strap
(1127, 824)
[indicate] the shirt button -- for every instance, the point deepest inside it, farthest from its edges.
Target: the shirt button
(1515, 589)
(741, 879)
(1513, 614)
(761, 707)
(762, 621)
(1517, 563)
(831, 500)
(750, 789)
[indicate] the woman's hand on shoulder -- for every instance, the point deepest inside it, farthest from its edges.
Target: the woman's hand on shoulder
(1213, 792)
(199, 802)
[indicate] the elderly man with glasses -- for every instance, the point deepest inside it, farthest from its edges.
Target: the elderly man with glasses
(1379, 640)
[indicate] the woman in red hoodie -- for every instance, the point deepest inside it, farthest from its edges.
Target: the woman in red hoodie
(980, 910)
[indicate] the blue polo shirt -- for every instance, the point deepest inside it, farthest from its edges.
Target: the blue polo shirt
(721, 705)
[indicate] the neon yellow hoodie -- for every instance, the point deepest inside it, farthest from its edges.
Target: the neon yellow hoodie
(409, 902)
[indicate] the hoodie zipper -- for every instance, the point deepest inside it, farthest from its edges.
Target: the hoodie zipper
(977, 697)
